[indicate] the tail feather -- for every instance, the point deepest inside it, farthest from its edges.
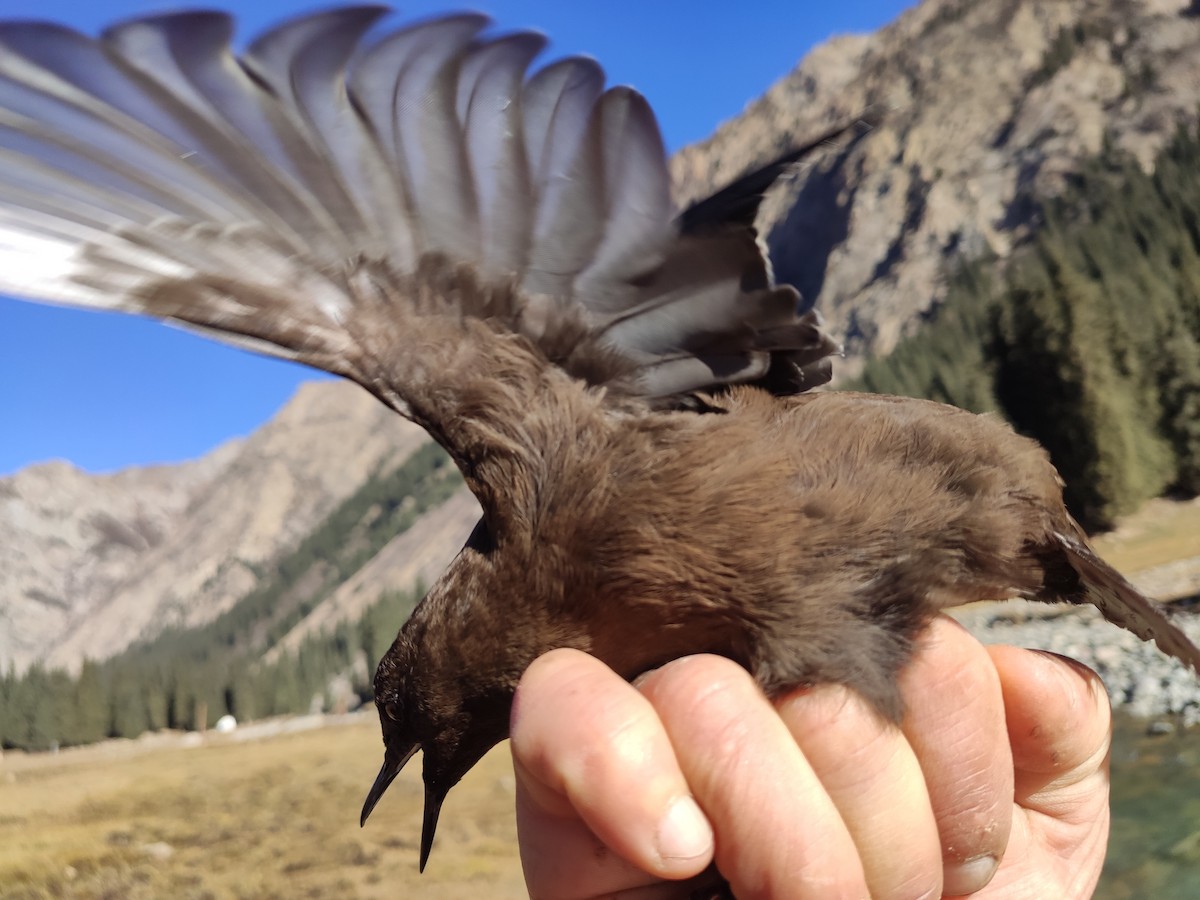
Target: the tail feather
(1124, 605)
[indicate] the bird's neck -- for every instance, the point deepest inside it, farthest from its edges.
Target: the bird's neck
(509, 418)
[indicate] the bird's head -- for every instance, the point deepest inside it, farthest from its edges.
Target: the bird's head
(437, 690)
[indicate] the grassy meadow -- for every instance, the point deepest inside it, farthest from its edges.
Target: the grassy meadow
(273, 817)
(1160, 532)
(277, 817)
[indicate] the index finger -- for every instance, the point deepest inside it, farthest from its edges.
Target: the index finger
(596, 771)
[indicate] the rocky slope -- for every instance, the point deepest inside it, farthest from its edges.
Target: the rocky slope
(89, 563)
(68, 538)
(984, 103)
(416, 557)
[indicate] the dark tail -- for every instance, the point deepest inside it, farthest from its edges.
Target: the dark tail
(1124, 605)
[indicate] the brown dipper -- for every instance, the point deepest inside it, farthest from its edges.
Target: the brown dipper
(497, 257)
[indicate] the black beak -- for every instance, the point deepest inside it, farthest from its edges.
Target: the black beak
(391, 768)
(433, 807)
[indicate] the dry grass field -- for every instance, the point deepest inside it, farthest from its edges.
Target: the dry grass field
(1160, 532)
(274, 817)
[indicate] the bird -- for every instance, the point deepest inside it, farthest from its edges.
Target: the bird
(491, 248)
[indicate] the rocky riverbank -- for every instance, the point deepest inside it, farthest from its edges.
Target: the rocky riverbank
(1140, 678)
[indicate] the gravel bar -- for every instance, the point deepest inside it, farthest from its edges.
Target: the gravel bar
(1141, 680)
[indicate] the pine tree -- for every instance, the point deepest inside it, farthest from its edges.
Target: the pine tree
(127, 708)
(91, 705)
(1180, 386)
(1059, 381)
(8, 719)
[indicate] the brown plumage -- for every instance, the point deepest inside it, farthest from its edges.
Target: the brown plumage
(496, 257)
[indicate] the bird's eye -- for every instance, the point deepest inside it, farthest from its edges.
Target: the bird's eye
(393, 711)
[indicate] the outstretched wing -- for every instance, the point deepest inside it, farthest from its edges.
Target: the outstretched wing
(154, 171)
(349, 201)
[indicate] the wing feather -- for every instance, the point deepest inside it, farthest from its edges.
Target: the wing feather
(490, 106)
(285, 198)
(302, 62)
(638, 211)
(562, 135)
(406, 85)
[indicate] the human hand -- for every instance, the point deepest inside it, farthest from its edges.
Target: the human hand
(1002, 755)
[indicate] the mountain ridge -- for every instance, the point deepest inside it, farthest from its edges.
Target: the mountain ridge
(984, 106)
(71, 587)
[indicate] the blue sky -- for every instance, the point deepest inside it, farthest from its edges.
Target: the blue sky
(107, 391)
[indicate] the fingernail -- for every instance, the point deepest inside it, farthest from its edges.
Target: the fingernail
(969, 876)
(651, 673)
(641, 679)
(684, 833)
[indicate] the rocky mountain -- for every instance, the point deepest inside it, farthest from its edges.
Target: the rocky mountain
(418, 556)
(68, 539)
(89, 563)
(986, 105)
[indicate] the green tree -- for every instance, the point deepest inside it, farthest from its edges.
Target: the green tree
(91, 706)
(1059, 381)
